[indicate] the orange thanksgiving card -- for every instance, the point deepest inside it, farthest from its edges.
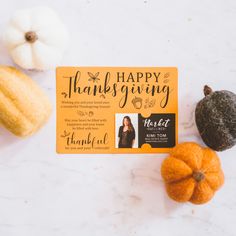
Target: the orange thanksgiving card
(116, 109)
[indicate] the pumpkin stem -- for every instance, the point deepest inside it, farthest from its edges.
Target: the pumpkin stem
(198, 176)
(31, 36)
(207, 90)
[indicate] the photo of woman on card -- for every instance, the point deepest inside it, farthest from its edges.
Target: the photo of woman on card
(126, 134)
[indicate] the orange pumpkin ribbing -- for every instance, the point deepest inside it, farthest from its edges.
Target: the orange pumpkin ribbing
(192, 173)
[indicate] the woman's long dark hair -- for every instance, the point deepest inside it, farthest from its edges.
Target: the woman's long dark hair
(130, 125)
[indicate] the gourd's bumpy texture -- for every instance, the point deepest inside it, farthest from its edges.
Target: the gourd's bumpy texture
(24, 107)
(215, 117)
(192, 173)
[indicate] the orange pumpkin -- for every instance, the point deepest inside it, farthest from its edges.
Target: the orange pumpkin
(192, 173)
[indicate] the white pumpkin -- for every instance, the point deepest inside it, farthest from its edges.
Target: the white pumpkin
(36, 38)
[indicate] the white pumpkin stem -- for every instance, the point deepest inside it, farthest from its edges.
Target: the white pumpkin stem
(31, 36)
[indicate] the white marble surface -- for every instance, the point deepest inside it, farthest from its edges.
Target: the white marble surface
(42, 193)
